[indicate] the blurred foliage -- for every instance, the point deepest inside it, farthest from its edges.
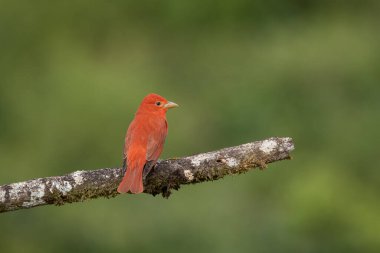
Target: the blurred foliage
(73, 73)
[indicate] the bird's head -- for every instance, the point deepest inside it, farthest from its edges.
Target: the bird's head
(155, 104)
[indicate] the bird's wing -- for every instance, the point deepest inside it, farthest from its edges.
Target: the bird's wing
(156, 140)
(155, 145)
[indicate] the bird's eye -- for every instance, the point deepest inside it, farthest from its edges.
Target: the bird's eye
(158, 103)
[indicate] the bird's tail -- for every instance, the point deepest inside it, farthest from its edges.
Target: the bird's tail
(132, 180)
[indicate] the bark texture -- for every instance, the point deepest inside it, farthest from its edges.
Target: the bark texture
(165, 176)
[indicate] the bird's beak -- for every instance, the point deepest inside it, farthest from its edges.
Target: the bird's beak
(169, 105)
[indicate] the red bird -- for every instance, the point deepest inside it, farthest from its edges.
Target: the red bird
(144, 141)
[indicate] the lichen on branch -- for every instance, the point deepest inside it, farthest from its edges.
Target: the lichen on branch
(166, 175)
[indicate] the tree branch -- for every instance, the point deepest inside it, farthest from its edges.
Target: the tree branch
(166, 175)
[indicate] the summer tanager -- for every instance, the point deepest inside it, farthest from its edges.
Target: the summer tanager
(144, 141)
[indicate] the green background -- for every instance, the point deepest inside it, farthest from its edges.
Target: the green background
(72, 74)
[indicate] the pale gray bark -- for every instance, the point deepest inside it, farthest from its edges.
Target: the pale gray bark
(166, 175)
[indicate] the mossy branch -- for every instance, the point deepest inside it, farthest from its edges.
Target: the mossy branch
(166, 175)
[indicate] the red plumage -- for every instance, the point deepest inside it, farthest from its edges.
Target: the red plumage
(144, 141)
